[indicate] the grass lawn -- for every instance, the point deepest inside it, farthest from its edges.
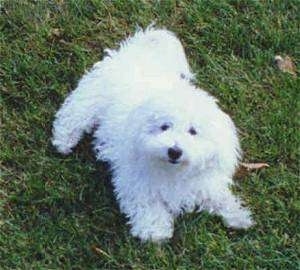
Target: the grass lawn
(59, 212)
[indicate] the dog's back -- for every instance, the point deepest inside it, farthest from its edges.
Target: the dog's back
(149, 55)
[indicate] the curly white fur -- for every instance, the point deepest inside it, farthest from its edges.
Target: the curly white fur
(141, 100)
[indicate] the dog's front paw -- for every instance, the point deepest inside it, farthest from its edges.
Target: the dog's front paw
(152, 233)
(239, 219)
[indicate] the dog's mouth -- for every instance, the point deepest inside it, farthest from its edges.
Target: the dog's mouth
(174, 161)
(177, 162)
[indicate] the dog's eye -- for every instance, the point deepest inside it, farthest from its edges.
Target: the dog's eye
(192, 131)
(164, 127)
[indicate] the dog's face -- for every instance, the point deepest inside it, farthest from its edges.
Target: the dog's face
(176, 143)
(172, 138)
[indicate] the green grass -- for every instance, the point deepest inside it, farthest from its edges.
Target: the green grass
(55, 210)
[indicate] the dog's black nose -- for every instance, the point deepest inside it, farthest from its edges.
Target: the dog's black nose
(174, 153)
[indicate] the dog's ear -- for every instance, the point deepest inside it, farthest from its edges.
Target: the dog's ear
(228, 145)
(221, 128)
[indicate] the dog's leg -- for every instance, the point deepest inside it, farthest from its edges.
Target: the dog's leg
(230, 208)
(148, 216)
(78, 114)
(151, 222)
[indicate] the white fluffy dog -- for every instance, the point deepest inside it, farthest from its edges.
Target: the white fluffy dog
(170, 147)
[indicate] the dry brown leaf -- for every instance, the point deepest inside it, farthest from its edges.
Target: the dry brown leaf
(245, 168)
(102, 253)
(99, 251)
(62, 41)
(285, 64)
(254, 166)
(56, 32)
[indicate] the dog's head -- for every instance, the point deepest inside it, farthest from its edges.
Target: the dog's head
(182, 131)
